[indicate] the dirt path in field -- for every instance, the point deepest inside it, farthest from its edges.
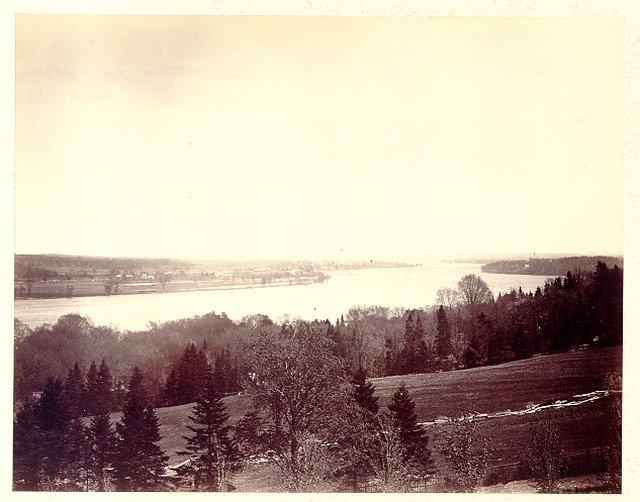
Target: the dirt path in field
(576, 400)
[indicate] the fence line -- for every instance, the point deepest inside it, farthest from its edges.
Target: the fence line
(577, 463)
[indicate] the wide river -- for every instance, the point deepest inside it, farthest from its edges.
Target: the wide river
(412, 287)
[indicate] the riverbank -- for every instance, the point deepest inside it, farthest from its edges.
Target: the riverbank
(404, 288)
(96, 287)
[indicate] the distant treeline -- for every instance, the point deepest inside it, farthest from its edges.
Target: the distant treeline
(50, 266)
(549, 266)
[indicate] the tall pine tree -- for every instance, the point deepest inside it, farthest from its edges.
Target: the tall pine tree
(417, 454)
(170, 393)
(443, 336)
(101, 434)
(74, 391)
(91, 390)
(139, 462)
(104, 382)
(213, 454)
(27, 458)
(103, 450)
(415, 353)
(363, 391)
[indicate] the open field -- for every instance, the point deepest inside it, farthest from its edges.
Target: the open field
(510, 386)
(506, 386)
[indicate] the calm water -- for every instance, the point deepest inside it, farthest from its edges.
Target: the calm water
(413, 287)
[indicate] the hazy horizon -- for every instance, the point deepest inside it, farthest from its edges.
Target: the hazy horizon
(213, 137)
(406, 258)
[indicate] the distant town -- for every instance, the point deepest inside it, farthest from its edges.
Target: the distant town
(59, 276)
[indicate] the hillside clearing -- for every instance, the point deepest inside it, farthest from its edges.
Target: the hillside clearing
(509, 386)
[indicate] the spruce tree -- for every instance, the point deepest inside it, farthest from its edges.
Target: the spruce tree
(139, 462)
(413, 437)
(74, 391)
(409, 347)
(27, 458)
(103, 450)
(52, 418)
(191, 374)
(170, 393)
(364, 422)
(78, 446)
(91, 390)
(104, 382)
(363, 391)
(213, 454)
(101, 434)
(415, 353)
(78, 455)
(221, 371)
(443, 336)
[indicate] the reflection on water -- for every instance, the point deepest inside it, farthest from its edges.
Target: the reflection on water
(413, 287)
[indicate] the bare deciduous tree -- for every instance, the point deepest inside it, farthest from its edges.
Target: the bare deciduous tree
(544, 455)
(474, 291)
(465, 451)
(300, 384)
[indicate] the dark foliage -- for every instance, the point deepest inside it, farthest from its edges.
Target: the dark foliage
(139, 462)
(213, 454)
(417, 453)
(363, 391)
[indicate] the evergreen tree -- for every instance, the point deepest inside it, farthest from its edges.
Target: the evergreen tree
(104, 383)
(52, 418)
(392, 358)
(27, 458)
(213, 453)
(606, 304)
(417, 454)
(78, 455)
(170, 394)
(78, 445)
(91, 390)
(521, 345)
(221, 371)
(356, 443)
(192, 374)
(340, 346)
(225, 373)
(103, 449)
(56, 445)
(363, 391)
(496, 347)
(139, 462)
(415, 353)
(49, 444)
(443, 336)
(423, 358)
(74, 392)
(409, 348)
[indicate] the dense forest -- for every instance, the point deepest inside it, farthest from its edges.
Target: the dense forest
(68, 377)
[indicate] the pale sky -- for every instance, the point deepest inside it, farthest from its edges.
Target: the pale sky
(325, 137)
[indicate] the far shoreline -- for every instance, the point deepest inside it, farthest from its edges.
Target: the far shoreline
(181, 289)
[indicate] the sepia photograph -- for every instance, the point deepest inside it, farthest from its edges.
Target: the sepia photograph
(318, 253)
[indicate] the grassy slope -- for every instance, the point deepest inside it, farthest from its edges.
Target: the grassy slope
(505, 386)
(488, 389)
